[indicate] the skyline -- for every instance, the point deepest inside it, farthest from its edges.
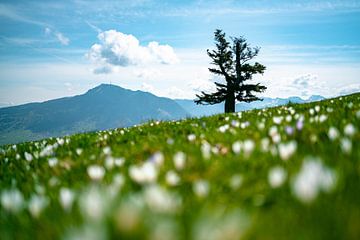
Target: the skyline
(47, 48)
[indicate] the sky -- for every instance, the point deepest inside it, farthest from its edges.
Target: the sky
(52, 49)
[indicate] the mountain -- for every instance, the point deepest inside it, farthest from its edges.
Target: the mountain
(206, 110)
(103, 107)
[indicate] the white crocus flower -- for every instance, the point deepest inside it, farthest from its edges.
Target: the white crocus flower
(277, 176)
(191, 137)
(346, 145)
(179, 160)
(66, 198)
(236, 181)
(28, 156)
(145, 173)
(286, 150)
(313, 178)
(12, 200)
(333, 133)
(201, 188)
(349, 129)
(36, 204)
(236, 147)
(206, 150)
(96, 172)
(160, 200)
(172, 178)
(53, 162)
(248, 146)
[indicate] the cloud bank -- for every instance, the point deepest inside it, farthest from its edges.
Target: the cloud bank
(117, 49)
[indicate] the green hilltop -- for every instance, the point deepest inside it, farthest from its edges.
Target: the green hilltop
(289, 172)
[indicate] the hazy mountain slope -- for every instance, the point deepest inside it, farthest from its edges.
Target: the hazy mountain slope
(106, 106)
(207, 110)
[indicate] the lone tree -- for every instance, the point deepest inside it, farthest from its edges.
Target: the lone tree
(232, 63)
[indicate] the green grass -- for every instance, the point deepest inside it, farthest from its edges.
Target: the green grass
(250, 175)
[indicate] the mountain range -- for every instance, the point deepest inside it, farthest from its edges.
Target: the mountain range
(206, 110)
(103, 107)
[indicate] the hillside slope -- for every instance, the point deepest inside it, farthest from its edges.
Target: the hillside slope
(106, 106)
(289, 172)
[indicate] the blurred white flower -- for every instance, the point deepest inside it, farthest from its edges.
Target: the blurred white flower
(96, 172)
(119, 161)
(12, 200)
(286, 150)
(107, 150)
(191, 137)
(289, 130)
(277, 119)
(92, 203)
(47, 151)
(66, 198)
(358, 114)
(224, 128)
(79, 151)
(248, 146)
(273, 133)
(322, 118)
(346, 145)
(317, 108)
(244, 125)
(206, 150)
(172, 178)
(201, 188)
(299, 125)
(28, 156)
(333, 133)
(170, 141)
(160, 200)
(265, 143)
(60, 141)
(235, 181)
(36, 204)
(235, 123)
(157, 158)
(277, 176)
(349, 130)
(236, 147)
(313, 178)
(53, 162)
(179, 160)
(109, 162)
(145, 173)
(261, 125)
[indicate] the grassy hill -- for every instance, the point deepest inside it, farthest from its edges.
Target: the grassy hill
(290, 172)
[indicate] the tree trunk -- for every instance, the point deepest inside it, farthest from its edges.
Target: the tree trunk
(230, 102)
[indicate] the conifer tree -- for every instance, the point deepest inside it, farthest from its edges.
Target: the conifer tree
(232, 62)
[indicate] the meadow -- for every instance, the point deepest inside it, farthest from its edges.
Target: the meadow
(289, 172)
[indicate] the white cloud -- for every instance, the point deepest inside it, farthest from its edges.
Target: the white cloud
(119, 49)
(62, 39)
(147, 73)
(352, 88)
(147, 87)
(306, 85)
(57, 35)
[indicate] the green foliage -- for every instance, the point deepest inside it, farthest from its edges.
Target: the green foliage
(289, 172)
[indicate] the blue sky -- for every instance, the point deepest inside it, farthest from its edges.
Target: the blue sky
(47, 48)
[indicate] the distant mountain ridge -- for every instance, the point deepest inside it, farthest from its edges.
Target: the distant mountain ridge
(206, 110)
(103, 107)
